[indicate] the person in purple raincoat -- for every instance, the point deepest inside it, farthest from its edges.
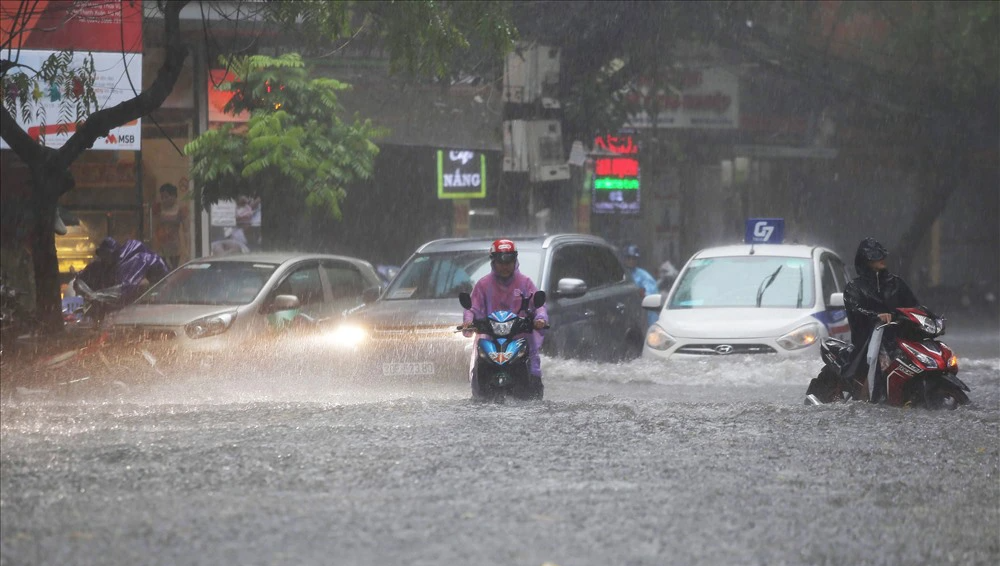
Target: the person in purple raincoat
(503, 289)
(119, 274)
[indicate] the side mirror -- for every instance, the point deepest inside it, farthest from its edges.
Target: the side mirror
(284, 303)
(465, 299)
(836, 300)
(538, 298)
(371, 294)
(571, 288)
(652, 302)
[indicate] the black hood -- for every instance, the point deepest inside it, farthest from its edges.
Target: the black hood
(868, 250)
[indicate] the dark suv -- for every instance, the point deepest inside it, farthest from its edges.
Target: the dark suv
(594, 308)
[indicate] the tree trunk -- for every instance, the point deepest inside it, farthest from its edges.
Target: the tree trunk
(941, 171)
(45, 196)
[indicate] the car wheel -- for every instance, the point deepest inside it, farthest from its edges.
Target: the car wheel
(629, 349)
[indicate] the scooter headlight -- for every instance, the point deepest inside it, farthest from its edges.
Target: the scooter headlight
(502, 328)
(803, 336)
(931, 326)
(658, 339)
(210, 325)
(927, 361)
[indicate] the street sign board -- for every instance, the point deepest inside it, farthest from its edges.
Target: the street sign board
(461, 174)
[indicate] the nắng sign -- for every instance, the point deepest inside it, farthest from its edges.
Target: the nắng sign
(461, 174)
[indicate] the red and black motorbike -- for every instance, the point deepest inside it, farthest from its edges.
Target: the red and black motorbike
(918, 369)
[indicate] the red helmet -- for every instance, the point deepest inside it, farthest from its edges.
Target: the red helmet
(503, 251)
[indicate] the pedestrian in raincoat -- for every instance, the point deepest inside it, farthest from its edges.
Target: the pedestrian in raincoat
(123, 271)
(871, 298)
(642, 278)
(503, 289)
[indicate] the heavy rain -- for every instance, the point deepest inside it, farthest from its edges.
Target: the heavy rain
(766, 236)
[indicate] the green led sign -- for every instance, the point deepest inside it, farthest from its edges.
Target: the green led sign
(616, 184)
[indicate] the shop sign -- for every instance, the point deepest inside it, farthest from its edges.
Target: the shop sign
(461, 174)
(616, 175)
(218, 98)
(702, 99)
(111, 87)
(623, 144)
(616, 185)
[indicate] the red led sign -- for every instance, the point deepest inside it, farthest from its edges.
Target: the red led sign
(616, 167)
(622, 145)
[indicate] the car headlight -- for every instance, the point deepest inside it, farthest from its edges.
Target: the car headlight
(658, 339)
(349, 335)
(210, 325)
(801, 337)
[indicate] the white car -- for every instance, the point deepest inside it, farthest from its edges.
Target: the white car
(751, 299)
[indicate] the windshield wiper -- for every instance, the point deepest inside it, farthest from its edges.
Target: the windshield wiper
(765, 283)
(798, 301)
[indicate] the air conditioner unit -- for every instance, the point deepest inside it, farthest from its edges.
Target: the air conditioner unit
(531, 72)
(545, 85)
(517, 69)
(545, 151)
(515, 146)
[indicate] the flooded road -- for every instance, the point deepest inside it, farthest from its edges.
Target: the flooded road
(640, 463)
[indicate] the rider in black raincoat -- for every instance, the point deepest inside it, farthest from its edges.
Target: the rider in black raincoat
(871, 298)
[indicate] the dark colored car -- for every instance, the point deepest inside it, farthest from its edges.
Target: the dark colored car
(594, 308)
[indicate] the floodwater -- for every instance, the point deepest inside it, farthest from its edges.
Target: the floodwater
(639, 463)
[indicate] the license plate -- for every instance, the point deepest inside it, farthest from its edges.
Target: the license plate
(408, 368)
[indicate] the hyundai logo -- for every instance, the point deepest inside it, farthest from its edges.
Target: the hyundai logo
(724, 349)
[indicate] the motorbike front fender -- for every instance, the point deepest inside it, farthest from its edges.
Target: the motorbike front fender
(954, 380)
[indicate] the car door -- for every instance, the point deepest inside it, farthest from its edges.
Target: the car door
(305, 282)
(834, 281)
(616, 301)
(347, 285)
(572, 334)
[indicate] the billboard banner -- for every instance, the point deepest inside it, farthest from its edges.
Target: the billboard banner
(112, 85)
(706, 99)
(109, 30)
(79, 25)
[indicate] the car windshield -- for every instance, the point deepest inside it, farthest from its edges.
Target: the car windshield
(210, 283)
(751, 281)
(444, 275)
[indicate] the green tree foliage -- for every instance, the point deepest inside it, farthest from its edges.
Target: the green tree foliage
(294, 143)
(422, 37)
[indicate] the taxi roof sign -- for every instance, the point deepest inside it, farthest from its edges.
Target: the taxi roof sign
(764, 231)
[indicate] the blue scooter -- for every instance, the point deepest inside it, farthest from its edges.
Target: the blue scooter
(502, 359)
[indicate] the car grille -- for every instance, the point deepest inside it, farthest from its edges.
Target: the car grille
(138, 334)
(724, 349)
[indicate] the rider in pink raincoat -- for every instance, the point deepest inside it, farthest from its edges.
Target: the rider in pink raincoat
(502, 289)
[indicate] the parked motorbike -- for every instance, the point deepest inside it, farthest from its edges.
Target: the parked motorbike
(501, 367)
(918, 369)
(15, 321)
(89, 307)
